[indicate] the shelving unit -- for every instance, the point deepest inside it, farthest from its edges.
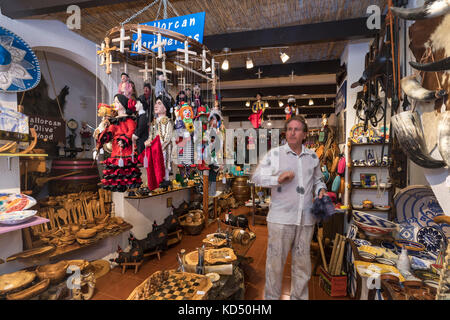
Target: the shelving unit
(385, 169)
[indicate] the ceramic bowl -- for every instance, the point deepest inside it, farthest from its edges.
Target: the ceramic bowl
(368, 257)
(372, 220)
(388, 262)
(409, 245)
(361, 242)
(374, 231)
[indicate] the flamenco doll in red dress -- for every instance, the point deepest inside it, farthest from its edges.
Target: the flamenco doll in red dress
(121, 171)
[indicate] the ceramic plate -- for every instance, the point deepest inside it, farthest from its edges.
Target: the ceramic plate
(10, 202)
(432, 238)
(419, 264)
(417, 206)
(17, 217)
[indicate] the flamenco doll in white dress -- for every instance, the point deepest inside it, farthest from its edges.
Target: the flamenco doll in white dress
(121, 171)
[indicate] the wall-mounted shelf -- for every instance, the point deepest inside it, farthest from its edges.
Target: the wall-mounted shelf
(23, 155)
(369, 144)
(32, 222)
(158, 194)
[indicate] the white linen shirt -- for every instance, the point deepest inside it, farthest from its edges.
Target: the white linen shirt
(291, 203)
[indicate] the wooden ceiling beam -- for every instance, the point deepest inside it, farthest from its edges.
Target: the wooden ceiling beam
(340, 30)
(278, 111)
(282, 70)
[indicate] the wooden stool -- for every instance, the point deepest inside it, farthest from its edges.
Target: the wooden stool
(136, 266)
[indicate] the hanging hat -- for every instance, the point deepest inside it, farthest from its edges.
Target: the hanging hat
(202, 111)
(19, 66)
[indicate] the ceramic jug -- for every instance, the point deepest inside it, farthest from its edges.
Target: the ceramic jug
(403, 264)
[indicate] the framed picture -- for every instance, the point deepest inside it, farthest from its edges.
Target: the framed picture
(368, 180)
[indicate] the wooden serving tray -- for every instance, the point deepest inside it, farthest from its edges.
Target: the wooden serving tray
(31, 253)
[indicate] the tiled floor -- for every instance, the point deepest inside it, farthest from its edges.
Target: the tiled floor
(116, 285)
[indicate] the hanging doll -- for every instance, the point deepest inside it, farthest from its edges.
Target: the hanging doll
(125, 87)
(291, 108)
(189, 99)
(161, 127)
(121, 171)
(140, 135)
(184, 135)
(197, 99)
(200, 137)
(258, 108)
(160, 86)
(106, 112)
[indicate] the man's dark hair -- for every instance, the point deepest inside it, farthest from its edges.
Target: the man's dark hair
(147, 85)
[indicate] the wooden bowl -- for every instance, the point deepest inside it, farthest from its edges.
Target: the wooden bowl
(30, 292)
(55, 272)
(74, 229)
(86, 233)
(15, 281)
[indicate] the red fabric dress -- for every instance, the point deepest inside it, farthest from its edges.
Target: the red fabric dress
(120, 178)
(156, 169)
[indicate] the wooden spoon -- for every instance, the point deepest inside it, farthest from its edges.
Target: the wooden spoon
(63, 215)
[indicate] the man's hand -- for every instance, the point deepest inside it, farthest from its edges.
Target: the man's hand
(286, 177)
(148, 143)
(322, 193)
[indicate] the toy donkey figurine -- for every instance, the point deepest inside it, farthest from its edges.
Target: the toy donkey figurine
(134, 255)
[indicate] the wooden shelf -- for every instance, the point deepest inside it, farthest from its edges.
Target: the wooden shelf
(366, 166)
(32, 222)
(23, 155)
(363, 188)
(369, 144)
(372, 210)
(158, 194)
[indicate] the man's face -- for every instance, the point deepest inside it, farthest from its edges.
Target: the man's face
(146, 91)
(294, 133)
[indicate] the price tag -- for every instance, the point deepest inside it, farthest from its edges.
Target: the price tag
(200, 292)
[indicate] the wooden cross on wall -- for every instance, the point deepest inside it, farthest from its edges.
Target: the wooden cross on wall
(186, 52)
(138, 41)
(121, 39)
(182, 81)
(105, 54)
(204, 60)
(159, 44)
(259, 73)
(163, 68)
(146, 71)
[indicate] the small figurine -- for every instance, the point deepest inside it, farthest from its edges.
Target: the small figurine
(147, 100)
(291, 108)
(258, 109)
(125, 87)
(86, 135)
(160, 86)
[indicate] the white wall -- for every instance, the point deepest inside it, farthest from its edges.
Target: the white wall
(82, 90)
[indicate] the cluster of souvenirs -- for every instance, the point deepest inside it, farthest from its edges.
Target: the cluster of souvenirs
(155, 131)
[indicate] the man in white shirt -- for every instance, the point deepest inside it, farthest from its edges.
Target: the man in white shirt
(293, 173)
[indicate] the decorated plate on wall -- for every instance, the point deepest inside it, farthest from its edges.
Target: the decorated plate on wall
(357, 132)
(10, 202)
(432, 238)
(417, 206)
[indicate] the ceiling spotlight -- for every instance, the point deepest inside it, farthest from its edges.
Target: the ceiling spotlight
(269, 123)
(225, 64)
(280, 103)
(311, 102)
(284, 57)
(249, 63)
(179, 68)
(247, 104)
(266, 104)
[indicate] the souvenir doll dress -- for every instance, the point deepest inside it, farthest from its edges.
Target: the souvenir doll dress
(117, 177)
